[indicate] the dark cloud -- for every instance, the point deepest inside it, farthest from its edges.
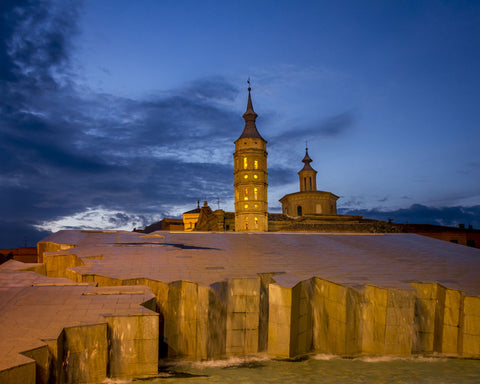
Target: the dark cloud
(421, 214)
(216, 89)
(19, 233)
(328, 127)
(280, 176)
(64, 149)
(35, 41)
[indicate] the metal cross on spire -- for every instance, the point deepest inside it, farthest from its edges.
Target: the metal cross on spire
(248, 81)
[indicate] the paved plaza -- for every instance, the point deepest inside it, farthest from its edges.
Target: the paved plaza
(386, 260)
(111, 303)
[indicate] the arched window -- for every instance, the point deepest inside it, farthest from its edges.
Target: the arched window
(304, 183)
(299, 210)
(255, 193)
(255, 164)
(310, 183)
(256, 223)
(246, 194)
(245, 163)
(246, 223)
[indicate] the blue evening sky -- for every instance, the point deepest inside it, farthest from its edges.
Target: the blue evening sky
(406, 72)
(118, 113)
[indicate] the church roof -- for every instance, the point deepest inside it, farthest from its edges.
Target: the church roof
(196, 210)
(307, 160)
(250, 129)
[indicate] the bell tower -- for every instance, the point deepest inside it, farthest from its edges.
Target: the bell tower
(307, 175)
(250, 176)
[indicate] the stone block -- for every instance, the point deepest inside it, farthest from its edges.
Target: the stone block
(105, 281)
(47, 246)
(42, 364)
(301, 336)
(72, 274)
(242, 315)
(251, 321)
(160, 290)
(55, 349)
(239, 303)
(336, 318)
(237, 320)
(453, 303)
(373, 320)
(329, 317)
(426, 313)
(186, 322)
(56, 265)
(85, 353)
(279, 320)
(217, 320)
(471, 327)
(23, 373)
(251, 340)
(451, 339)
(202, 322)
(399, 326)
(133, 344)
(355, 302)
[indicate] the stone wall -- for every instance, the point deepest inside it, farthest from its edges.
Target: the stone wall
(241, 317)
(319, 316)
(245, 316)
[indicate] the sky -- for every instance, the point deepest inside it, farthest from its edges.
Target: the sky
(115, 114)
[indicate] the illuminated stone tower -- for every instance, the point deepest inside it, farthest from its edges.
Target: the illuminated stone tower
(250, 176)
(309, 201)
(307, 175)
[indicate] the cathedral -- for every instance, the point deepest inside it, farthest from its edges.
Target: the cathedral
(250, 189)
(308, 201)
(307, 210)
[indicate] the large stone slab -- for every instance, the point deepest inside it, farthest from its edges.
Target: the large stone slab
(384, 260)
(61, 329)
(232, 294)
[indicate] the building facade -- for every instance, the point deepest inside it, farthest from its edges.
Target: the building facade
(190, 218)
(250, 176)
(308, 201)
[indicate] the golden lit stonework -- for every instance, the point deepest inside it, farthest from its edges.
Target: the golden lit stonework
(309, 201)
(250, 176)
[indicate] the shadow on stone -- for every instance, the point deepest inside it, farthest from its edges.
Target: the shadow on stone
(175, 245)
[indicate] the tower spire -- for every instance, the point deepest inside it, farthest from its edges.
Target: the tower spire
(250, 175)
(250, 129)
(307, 160)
